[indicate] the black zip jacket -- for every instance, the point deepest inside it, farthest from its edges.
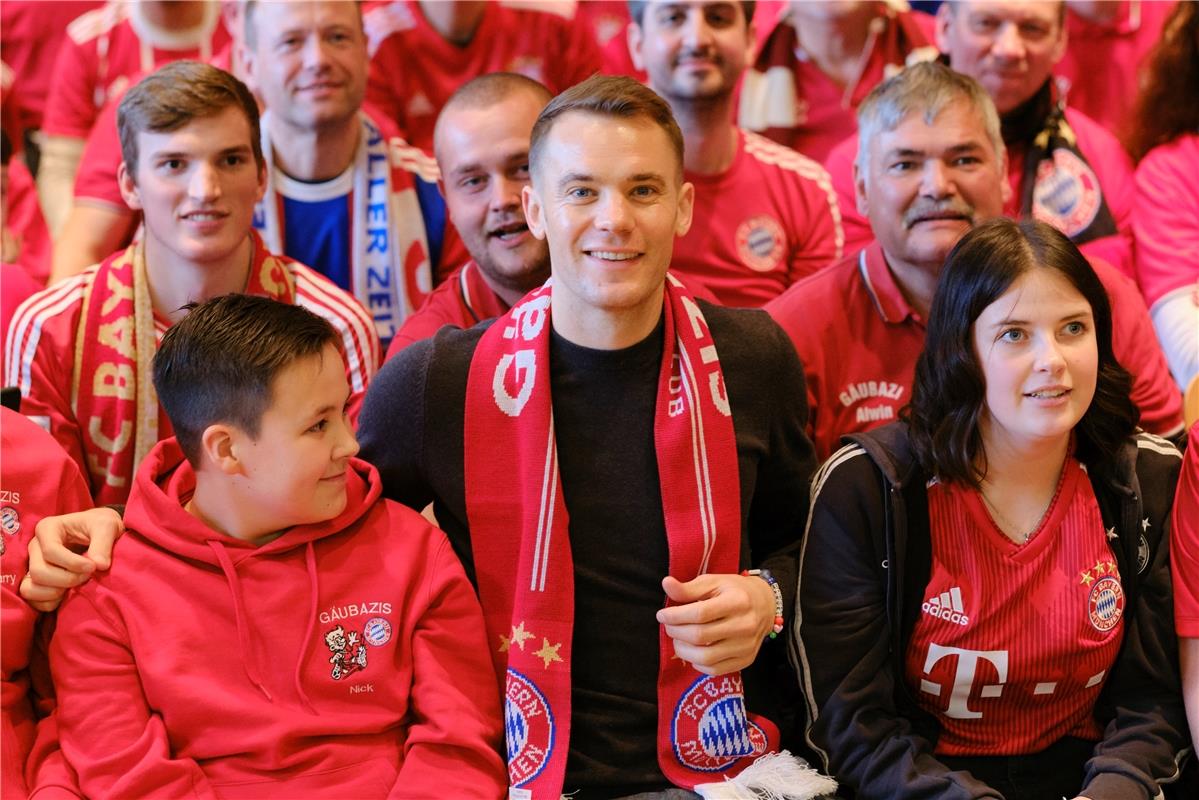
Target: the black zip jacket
(864, 566)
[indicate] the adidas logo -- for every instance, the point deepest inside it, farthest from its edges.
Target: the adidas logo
(947, 606)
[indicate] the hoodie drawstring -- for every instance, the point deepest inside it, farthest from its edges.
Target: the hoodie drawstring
(313, 594)
(239, 613)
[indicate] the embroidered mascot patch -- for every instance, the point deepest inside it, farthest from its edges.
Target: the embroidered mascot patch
(348, 655)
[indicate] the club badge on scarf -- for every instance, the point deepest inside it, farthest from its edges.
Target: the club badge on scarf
(521, 545)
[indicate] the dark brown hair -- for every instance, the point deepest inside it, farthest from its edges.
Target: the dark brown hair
(174, 95)
(218, 363)
(607, 96)
(1166, 106)
(949, 392)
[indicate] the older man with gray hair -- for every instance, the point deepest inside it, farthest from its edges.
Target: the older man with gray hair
(931, 165)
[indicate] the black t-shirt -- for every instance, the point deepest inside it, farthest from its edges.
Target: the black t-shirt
(411, 429)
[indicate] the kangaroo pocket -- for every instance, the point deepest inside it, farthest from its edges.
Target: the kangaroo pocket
(367, 779)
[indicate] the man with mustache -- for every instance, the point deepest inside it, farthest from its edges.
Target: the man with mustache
(931, 165)
(482, 144)
(765, 216)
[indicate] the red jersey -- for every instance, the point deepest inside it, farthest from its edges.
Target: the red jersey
(1184, 542)
(37, 480)
(414, 70)
(1107, 175)
(33, 34)
(788, 98)
(105, 49)
(767, 221)
(858, 339)
(1014, 642)
(1104, 61)
(462, 300)
(40, 351)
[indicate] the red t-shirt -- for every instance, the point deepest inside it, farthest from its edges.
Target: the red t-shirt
(1014, 642)
(767, 221)
(858, 339)
(463, 299)
(37, 479)
(1104, 62)
(788, 98)
(414, 70)
(25, 221)
(1184, 542)
(106, 49)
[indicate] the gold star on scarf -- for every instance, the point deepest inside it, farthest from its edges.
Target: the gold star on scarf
(519, 635)
(548, 652)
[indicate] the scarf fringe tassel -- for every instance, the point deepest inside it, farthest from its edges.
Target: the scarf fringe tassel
(775, 776)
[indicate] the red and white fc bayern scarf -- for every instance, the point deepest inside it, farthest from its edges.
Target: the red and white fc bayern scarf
(112, 393)
(521, 544)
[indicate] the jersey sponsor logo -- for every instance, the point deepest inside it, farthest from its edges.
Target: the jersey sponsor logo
(1105, 604)
(354, 610)
(760, 243)
(528, 728)
(947, 606)
(710, 729)
(1067, 193)
(963, 677)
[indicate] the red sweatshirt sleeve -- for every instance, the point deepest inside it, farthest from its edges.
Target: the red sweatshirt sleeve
(452, 746)
(117, 745)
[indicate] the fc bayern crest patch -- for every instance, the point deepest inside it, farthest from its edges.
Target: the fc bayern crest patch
(1067, 193)
(376, 631)
(760, 242)
(1105, 605)
(10, 520)
(710, 729)
(528, 729)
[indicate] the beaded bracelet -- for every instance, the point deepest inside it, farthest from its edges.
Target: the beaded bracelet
(765, 575)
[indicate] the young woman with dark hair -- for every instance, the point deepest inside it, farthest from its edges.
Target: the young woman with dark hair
(984, 585)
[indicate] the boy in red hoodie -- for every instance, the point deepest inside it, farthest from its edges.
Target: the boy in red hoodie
(272, 627)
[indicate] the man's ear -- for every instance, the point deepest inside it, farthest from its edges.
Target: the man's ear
(686, 207)
(219, 447)
(859, 190)
(941, 30)
(635, 38)
(128, 187)
(534, 213)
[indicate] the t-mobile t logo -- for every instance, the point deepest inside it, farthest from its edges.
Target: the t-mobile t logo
(963, 679)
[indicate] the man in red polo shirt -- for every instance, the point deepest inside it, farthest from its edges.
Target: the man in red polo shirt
(923, 181)
(765, 216)
(482, 146)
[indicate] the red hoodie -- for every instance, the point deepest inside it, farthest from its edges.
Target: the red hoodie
(342, 659)
(37, 479)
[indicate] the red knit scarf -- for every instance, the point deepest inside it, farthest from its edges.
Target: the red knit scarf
(519, 535)
(112, 394)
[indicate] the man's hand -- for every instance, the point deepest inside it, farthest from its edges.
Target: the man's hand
(720, 620)
(54, 566)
